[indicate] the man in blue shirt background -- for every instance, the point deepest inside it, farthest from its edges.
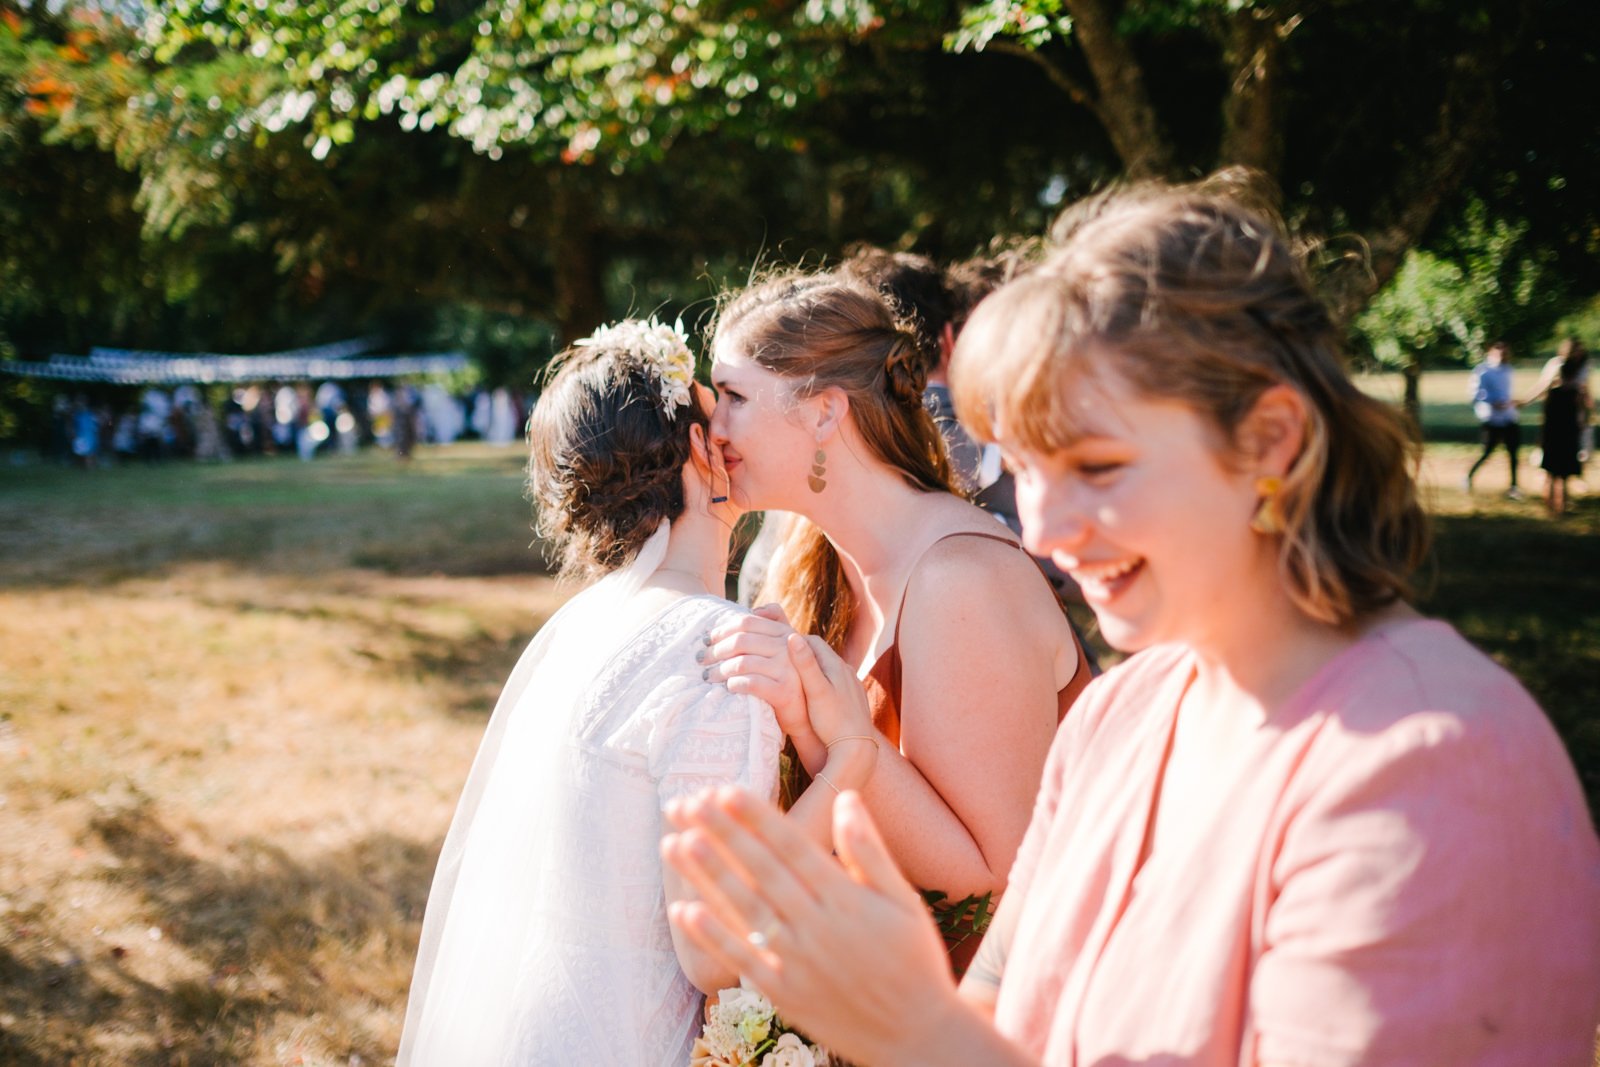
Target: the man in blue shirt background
(1496, 411)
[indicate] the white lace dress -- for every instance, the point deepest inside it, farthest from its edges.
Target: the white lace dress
(546, 937)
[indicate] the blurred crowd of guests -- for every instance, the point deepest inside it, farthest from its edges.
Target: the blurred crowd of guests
(298, 419)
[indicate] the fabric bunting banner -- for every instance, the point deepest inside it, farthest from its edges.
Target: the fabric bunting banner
(219, 369)
(336, 350)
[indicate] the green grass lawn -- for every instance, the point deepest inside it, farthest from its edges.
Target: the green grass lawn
(454, 511)
(237, 703)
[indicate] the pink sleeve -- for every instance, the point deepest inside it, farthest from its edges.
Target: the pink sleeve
(1410, 892)
(1044, 810)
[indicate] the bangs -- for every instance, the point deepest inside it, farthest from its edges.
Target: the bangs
(1019, 370)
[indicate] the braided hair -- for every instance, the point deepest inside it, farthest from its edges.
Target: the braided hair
(824, 331)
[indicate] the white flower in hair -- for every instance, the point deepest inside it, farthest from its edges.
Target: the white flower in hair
(665, 348)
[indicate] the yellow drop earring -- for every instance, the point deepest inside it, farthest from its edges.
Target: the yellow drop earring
(1268, 519)
(819, 471)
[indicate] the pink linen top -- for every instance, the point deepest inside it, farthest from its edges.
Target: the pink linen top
(1402, 871)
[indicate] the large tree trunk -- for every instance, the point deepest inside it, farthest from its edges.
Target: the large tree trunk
(1463, 124)
(578, 262)
(1253, 42)
(1124, 105)
(1412, 402)
(1252, 128)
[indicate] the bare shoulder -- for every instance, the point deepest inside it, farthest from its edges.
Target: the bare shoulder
(975, 592)
(993, 568)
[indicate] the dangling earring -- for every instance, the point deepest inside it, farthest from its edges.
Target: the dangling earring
(819, 469)
(1268, 519)
(727, 482)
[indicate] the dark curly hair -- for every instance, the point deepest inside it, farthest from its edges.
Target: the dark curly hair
(605, 461)
(972, 279)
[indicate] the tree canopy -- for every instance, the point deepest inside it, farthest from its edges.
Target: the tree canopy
(247, 173)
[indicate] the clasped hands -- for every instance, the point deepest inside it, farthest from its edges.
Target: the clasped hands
(818, 700)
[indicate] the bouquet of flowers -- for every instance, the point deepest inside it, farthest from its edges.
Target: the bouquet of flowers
(743, 1030)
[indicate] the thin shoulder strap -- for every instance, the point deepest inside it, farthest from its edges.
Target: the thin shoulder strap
(901, 614)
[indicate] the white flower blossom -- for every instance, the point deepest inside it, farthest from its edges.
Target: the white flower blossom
(743, 1001)
(743, 1030)
(664, 348)
(790, 1051)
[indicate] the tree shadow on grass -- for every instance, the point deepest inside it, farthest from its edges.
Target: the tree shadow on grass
(282, 940)
(32, 989)
(473, 665)
(63, 528)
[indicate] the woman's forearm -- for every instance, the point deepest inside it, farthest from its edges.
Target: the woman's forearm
(960, 1037)
(928, 840)
(848, 766)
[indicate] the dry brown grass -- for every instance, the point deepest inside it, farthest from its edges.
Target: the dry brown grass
(224, 786)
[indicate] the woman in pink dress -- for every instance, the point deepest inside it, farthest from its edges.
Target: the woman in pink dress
(1303, 825)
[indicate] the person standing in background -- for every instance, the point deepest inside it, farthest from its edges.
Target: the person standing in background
(1571, 351)
(1566, 413)
(1496, 412)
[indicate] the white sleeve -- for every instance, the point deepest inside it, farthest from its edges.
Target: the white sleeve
(714, 737)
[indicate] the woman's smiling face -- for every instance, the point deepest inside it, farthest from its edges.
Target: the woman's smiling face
(758, 424)
(1146, 514)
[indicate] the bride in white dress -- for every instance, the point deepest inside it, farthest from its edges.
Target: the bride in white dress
(546, 938)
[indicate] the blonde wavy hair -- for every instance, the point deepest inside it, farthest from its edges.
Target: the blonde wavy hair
(1194, 294)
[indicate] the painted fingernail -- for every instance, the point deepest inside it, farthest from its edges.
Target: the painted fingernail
(700, 656)
(705, 639)
(705, 675)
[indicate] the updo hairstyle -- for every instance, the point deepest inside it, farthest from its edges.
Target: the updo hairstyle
(822, 331)
(1188, 294)
(605, 462)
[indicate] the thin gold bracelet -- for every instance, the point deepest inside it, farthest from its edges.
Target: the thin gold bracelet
(852, 737)
(831, 786)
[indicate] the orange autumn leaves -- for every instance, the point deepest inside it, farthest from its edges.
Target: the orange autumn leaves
(46, 92)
